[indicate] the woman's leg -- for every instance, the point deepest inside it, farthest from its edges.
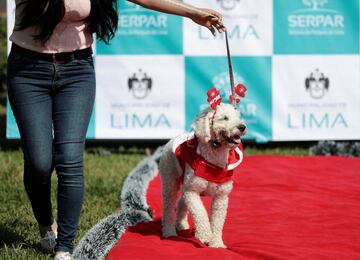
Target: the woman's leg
(30, 99)
(74, 94)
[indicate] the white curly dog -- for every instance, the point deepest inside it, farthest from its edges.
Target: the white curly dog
(206, 171)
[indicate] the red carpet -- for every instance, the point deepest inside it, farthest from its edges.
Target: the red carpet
(280, 208)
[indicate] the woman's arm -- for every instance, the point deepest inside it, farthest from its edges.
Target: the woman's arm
(205, 17)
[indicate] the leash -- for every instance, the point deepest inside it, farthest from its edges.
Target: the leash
(212, 29)
(231, 73)
(215, 143)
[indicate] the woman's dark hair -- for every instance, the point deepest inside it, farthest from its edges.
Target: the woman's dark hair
(104, 19)
(46, 14)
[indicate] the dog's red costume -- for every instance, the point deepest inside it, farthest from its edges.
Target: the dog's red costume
(185, 149)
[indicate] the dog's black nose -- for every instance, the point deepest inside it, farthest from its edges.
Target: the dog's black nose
(242, 127)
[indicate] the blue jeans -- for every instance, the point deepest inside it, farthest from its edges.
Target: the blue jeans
(52, 104)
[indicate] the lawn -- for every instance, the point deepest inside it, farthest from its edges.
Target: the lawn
(18, 229)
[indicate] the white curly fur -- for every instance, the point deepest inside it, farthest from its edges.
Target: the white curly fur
(227, 127)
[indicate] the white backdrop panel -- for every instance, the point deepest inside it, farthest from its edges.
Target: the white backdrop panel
(316, 97)
(138, 110)
(249, 25)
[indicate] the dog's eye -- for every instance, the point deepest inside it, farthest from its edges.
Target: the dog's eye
(225, 118)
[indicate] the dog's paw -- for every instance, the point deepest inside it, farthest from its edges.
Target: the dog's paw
(204, 237)
(169, 232)
(217, 243)
(182, 225)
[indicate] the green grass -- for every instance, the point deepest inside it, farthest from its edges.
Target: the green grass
(18, 229)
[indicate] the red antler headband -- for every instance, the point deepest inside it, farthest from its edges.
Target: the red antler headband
(239, 93)
(214, 98)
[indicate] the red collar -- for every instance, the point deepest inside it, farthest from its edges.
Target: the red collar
(185, 150)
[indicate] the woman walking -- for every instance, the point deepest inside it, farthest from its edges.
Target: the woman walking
(51, 88)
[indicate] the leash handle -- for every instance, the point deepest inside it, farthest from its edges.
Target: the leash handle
(231, 74)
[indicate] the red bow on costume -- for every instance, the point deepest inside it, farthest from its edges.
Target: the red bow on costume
(214, 98)
(239, 92)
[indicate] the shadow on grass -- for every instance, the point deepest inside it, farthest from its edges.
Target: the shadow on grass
(8, 237)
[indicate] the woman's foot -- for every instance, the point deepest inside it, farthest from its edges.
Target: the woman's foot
(63, 256)
(48, 236)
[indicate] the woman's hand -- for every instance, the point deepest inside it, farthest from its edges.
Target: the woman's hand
(205, 17)
(209, 19)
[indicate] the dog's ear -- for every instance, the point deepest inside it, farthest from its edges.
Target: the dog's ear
(201, 125)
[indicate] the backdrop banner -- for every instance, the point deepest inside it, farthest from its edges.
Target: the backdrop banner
(300, 61)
